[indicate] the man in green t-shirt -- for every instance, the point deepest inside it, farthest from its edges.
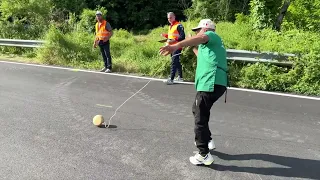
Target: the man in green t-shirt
(210, 82)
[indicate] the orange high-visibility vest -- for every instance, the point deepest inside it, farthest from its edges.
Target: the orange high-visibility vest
(173, 32)
(101, 31)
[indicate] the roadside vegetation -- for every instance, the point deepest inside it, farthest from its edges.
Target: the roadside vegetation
(68, 29)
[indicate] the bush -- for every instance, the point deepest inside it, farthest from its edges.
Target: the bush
(71, 49)
(307, 75)
(130, 54)
(303, 78)
(264, 77)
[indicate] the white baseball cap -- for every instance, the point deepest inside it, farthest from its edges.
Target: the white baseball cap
(98, 13)
(205, 23)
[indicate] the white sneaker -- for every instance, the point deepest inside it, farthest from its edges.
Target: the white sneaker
(103, 70)
(108, 71)
(211, 145)
(169, 81)
(200, 160)
(178, 79)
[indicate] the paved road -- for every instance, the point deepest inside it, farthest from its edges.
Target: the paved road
(47, 131)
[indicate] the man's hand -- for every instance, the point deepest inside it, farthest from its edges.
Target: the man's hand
(108, 37)
(166, 50)
(95, 44)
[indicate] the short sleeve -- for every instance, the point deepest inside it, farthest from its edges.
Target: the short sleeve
(212, 37)
(180, 27)
(108, 27)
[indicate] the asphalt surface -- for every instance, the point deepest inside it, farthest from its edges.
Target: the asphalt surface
(47, 132)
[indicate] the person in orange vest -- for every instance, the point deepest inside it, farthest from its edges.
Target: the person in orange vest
(175, 34)
(103, 35)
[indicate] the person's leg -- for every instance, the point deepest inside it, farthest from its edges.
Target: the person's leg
(104, 57)
(219, 91)
(173, 65)
(108, 55)
(173, 68)
(201, 110)
(178, 64)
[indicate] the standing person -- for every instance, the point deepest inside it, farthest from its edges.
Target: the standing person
(175, 35)
(211, 82)
(103, 35)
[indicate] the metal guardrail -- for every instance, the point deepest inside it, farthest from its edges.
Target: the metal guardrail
(21, 43)
(264, 57)
(232, 54)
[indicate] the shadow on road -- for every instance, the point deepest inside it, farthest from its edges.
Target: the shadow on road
(111, 126)
(295, 167)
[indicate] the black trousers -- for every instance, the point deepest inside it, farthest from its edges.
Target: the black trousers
(105, 52)
(201, 111)
(176, 64)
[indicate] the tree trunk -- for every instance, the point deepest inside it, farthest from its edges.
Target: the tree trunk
(282, 13)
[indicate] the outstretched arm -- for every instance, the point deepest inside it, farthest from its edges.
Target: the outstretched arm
(193, 41)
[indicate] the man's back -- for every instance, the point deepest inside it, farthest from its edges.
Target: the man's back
(212, 64)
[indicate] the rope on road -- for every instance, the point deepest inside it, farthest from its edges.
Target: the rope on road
(115, 112)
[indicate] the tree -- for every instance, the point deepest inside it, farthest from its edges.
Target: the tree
(139, 14)
(304, 15)
(217, 10)
(24, 18)
(281, 15)
(264, 12)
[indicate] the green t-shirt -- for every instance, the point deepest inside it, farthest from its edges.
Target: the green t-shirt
(210, 56)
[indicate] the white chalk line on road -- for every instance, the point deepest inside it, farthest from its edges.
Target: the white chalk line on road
(157, 79)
